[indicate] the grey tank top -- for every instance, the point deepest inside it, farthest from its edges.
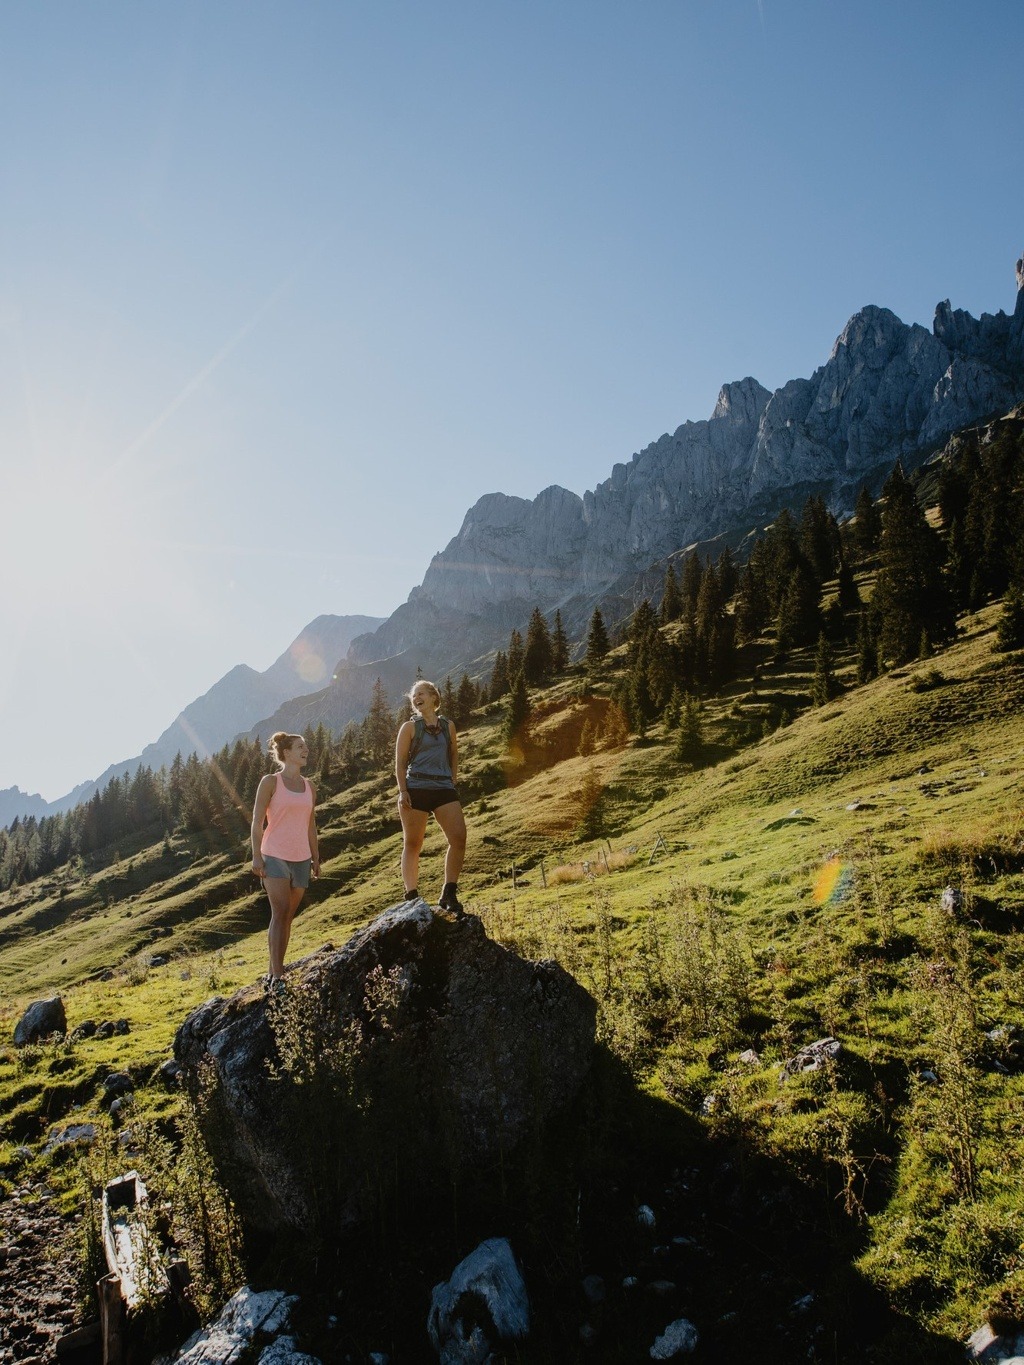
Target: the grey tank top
(430, 765)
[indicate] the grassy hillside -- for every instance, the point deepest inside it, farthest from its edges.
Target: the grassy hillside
(785, 889)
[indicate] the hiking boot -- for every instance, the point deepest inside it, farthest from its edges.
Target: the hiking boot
(449, 900)
(412, 895)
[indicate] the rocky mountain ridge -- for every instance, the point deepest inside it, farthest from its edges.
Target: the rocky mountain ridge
(889, 390)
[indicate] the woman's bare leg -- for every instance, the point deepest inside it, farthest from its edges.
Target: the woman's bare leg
(414, 827)
(453, 823)
(284, 901)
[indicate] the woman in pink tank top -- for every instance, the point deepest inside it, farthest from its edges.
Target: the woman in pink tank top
(284, 843)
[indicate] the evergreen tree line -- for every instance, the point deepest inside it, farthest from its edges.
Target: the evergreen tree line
(685, 650)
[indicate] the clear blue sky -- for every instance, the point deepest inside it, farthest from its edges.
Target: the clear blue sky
(286, 286)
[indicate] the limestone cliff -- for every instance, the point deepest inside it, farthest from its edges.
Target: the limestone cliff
(888, 390)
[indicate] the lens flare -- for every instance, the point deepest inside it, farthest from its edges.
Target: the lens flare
(833, 883)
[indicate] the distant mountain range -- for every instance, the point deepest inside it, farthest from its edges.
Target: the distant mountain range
(888, 390)
(231, 705)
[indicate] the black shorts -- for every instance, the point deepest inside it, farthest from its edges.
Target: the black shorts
(429, 798)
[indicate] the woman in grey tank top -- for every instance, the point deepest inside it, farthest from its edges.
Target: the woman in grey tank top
(426, 766)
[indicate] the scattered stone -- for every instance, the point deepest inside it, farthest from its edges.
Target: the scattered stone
(85, 1029)
(854, 805)
(630, 1282)
(158, 960)
(378, 1358)
(108, 975)
(750, 1057)
(117, 1083)
(802, 1305)
(811, 1058)
(928, 1076)
(467, 1022)
(483, 1304)
(593, 1289)
(645, 1217)
(106, 1029)
(40, 1020)
(953, 900)
(679, 1338)
(67, 1137)
(121, 1105)
(988, 1347)
(708, 1105)
(121, 1028)
(233, 1333)
(170, 1071)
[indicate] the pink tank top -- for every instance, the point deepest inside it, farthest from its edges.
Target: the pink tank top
(287, 833)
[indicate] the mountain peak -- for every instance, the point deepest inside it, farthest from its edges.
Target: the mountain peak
(744, 399)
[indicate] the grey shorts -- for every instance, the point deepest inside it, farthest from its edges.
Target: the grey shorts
(296, 873)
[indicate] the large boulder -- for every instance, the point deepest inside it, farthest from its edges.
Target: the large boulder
(420, 1045)
(40, 1020)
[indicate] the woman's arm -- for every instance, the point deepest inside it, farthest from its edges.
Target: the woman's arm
(453, 751)
(402, 746)
(314, 843)
(264, 792)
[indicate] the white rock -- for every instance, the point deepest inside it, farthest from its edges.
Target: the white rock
(489, 1277)
(285, 1351)
(645, 1217)
(679, 1338)
(230, 1336)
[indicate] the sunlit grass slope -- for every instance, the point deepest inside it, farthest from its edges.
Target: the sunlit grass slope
(788, 888)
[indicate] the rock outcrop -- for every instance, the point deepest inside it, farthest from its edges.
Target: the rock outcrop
(41, 1019)
(420, 1042)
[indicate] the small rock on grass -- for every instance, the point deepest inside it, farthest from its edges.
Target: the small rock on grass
(679, 1338)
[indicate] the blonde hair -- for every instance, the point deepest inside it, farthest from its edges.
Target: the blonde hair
(279, 743)
(422, 682)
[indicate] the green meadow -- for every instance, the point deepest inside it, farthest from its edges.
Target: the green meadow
(724, 913)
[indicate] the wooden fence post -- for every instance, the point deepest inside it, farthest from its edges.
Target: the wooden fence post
(108, 1291)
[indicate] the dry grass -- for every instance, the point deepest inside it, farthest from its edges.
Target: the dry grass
(588, 868)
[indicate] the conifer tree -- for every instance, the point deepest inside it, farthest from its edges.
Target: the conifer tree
(867, 525)
(690, 739)
(378, 729)
(515, 656)
(799, 618)
(819, 538)
(671, 598)
(597, 639)
(751, 606)
(465, 700)
(823, 684)
(559, 646)
(449, 704)
(849, 595)
(499, 676)
(643, 623)
(517, 714)
(867, 647)
(693, 572)
(728, 575)
(911, 594)
(538, 653)
(1010, 630)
